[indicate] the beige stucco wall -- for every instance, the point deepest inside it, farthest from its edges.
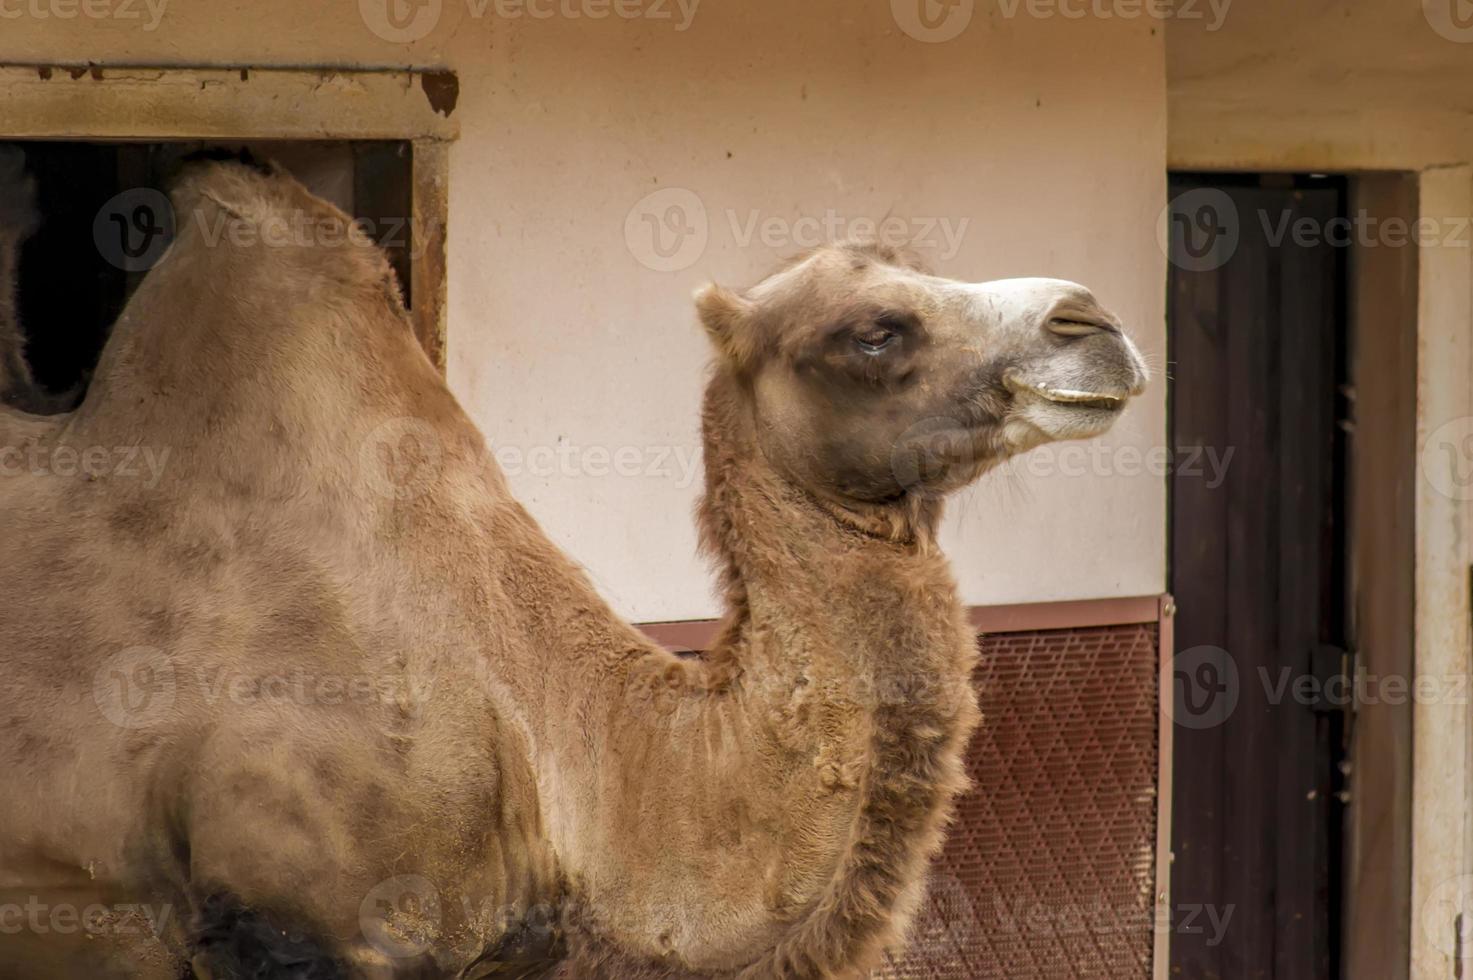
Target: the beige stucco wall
(1036, 143)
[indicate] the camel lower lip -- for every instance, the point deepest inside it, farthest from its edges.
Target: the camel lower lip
(1073, 398)
(1105, 404)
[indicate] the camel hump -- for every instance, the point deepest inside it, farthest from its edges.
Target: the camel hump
(260, 207)
(270, 309)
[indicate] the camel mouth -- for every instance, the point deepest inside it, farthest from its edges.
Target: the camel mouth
(1046, 413)
(1071, 398)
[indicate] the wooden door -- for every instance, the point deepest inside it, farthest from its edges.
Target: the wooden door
(1256, 305)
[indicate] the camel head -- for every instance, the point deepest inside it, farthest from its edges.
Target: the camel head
(870, 381)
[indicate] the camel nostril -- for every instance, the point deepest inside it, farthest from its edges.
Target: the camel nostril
(1070, 327)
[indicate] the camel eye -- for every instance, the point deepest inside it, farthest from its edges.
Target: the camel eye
(876, 339)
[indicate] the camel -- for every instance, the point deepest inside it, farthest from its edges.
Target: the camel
(320, 699)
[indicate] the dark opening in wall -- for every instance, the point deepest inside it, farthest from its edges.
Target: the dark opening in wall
(81, 263)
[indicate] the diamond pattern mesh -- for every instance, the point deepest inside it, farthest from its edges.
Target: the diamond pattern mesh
(1049, 870)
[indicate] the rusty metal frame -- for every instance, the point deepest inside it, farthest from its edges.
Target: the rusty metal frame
(697, 634)
(1165, 758)
(162, 103)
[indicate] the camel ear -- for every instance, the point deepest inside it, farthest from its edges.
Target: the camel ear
(727, 318)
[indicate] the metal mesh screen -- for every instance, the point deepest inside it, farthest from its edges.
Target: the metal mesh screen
(1049, 870)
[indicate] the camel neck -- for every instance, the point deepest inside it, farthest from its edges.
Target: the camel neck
(799, 775)
(785, 553)
(852, 612)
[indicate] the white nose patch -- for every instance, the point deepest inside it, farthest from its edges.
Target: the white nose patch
(1010, 302)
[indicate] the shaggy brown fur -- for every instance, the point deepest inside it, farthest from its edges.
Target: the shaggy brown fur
(529, 787)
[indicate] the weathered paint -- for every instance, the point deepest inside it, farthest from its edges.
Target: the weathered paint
(37, 102)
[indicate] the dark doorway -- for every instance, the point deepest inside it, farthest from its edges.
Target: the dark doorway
(1258, 349)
